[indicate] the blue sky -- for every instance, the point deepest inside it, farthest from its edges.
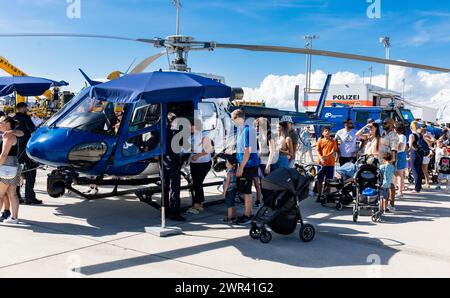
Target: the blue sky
(420, 32)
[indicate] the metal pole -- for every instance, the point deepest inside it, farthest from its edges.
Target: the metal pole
(162, 170)
(387, 67)
(310, 68)
(307, 74)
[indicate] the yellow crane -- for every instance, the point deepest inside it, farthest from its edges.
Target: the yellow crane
(9, 68)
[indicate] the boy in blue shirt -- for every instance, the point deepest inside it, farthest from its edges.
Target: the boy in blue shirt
(388, 172)
(248, 162)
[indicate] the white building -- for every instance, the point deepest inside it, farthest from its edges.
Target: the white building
(352, 95)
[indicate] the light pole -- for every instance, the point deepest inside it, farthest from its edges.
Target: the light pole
(403, 91)
(308, 45)
(386, 41)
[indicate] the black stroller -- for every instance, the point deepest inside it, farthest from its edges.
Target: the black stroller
(283, 190)
(368, 191)
(340, 191)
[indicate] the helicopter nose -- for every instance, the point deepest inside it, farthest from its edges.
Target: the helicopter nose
(49, 146)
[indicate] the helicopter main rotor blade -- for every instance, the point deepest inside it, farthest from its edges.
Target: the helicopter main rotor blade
(145, 63)
(77, 35)
(291, 50)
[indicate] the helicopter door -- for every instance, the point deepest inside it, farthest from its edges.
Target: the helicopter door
(140, 139)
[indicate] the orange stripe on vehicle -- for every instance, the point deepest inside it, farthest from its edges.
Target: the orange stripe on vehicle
(360, 103)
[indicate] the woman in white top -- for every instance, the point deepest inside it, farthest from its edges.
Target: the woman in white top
(371, 134)
(401, 159)
(266, 150)
(200, 164)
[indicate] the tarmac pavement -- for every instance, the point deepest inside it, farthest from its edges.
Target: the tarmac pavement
(71, 237)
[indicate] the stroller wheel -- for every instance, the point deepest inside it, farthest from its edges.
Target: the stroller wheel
(254, 233)
(307, 233)
(355, 216)
(374, 218)
(265, 236)
(339, 206)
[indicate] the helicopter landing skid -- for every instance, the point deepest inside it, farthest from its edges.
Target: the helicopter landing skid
(146, 195)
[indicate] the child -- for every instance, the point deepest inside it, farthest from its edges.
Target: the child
(388, 173)
(442, 163)
(229, 190)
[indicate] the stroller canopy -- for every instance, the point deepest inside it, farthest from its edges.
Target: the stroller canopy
(284, 179)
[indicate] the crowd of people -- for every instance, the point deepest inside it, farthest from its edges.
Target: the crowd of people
(397, 155)
(257, 152)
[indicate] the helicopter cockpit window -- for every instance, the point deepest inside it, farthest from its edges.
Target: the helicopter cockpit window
(208, 115)
(83, 94)
(93, 116)
(140, 144)
(145, 115)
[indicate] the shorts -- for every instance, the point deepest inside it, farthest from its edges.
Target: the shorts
(426, 160)
(401, 161)
(385, 193)
(245, 182)
(327, 172)
(230, 198)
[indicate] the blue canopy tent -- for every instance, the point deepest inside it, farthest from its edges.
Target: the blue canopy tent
(27, 86)
(160, 88)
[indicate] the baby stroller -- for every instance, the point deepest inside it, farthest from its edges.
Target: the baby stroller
(283, 190)
(341, 190)
(368, 190)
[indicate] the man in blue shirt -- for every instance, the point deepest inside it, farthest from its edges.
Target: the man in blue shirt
(248, 162)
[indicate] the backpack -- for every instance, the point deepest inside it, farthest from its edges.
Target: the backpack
(422, 145)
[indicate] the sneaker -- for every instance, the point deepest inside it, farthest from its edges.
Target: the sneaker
(244, 220)
(5, 215)
(176, 217)
(392, 208)
(257, 203)
(193, 210)
(10, 220)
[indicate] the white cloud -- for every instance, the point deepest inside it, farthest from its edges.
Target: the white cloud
(423, 88)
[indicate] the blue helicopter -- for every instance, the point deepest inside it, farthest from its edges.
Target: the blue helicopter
(87, 146)
(114, 133)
